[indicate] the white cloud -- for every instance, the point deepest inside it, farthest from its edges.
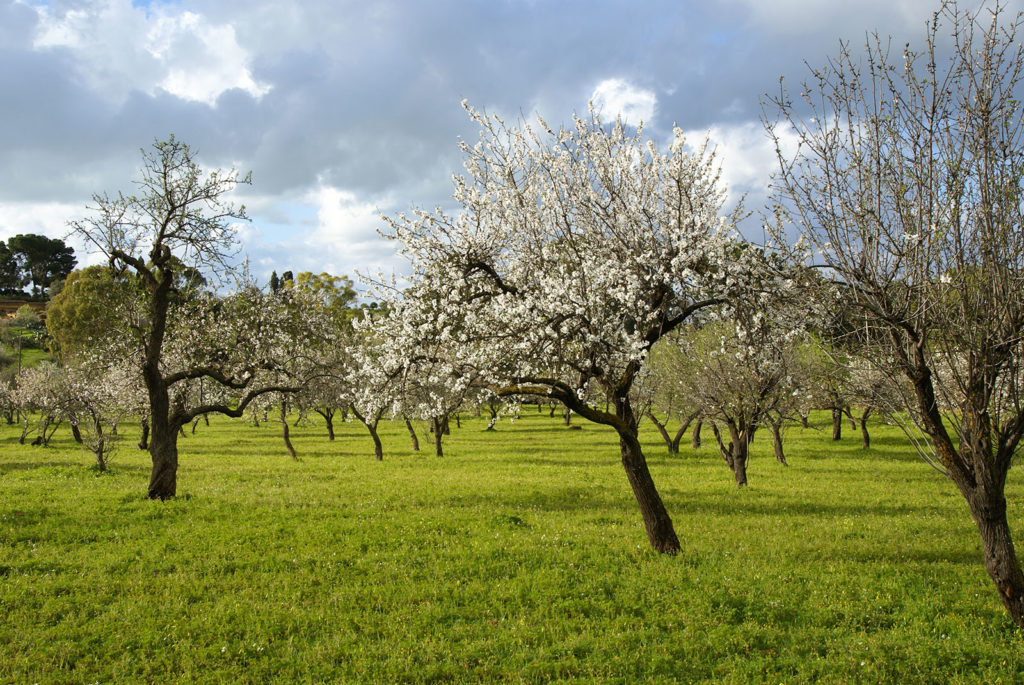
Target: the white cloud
(49, 219)
(746, 155)
(119, 48)
(345, 238)
(616, 97)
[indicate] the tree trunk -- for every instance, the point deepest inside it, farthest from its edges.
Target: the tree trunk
(144, 438)
(674, 447)
(988, 507)
(76, 433)
(780, 456)
(163, 448)
(664, 433)
(803, 420)
(412, 435)
(837, 423)
(660, 531)
(864, 428)
(735, 453)
(378, 448)
(329, 420)
(435, 422)
(568, 416)
(695, 437)
(285, 432)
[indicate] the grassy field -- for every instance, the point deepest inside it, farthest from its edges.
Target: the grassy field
(519, 556)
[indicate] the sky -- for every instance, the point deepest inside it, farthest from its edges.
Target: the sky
(346, 110)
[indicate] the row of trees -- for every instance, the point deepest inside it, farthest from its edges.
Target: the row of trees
(579, 256)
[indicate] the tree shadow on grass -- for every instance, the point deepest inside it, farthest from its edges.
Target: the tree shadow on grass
(85, 467)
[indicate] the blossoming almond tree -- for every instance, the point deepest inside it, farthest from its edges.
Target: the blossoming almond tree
(574, 251)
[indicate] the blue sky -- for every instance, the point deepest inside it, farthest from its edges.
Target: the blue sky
(344, 110)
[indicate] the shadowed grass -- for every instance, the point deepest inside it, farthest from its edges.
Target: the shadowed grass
(518, 556)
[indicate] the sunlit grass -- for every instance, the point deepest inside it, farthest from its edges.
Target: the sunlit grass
(520, 555)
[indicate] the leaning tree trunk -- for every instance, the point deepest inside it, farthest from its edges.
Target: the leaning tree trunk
(76, 433)
(780, 455)
(660, 531)
(378, 448)
(412, 435)
(285, 432)
(695, 437)
(658, 524)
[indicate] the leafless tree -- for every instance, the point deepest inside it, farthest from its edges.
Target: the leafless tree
(906, 181)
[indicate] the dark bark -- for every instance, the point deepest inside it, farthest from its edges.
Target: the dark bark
(371, 426)
(438, 431)
(663, 431)
(568, 417)
(864, 427)
(988, 508)
(163, 450)
(695, 437)
(803, 420)
(412, 435)
(76, 433)
(837, 423)
(780, 455)
(328, 415)
(658, 524)
(736, 452)
(144, 438)
(285, 432)
(378, 448)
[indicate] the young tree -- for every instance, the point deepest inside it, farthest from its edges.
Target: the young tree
(575, 251)
(181, 220)
(907, 183)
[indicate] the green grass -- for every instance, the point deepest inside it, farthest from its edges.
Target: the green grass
(519, 556)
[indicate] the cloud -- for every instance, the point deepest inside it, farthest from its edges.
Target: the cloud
(118, 47)
(617, 98)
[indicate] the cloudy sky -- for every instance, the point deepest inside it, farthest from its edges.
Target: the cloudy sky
(345, 110)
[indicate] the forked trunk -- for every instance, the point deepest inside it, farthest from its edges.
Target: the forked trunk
(735, 453)
(864, 428)
(660, 531)
(664, 433)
